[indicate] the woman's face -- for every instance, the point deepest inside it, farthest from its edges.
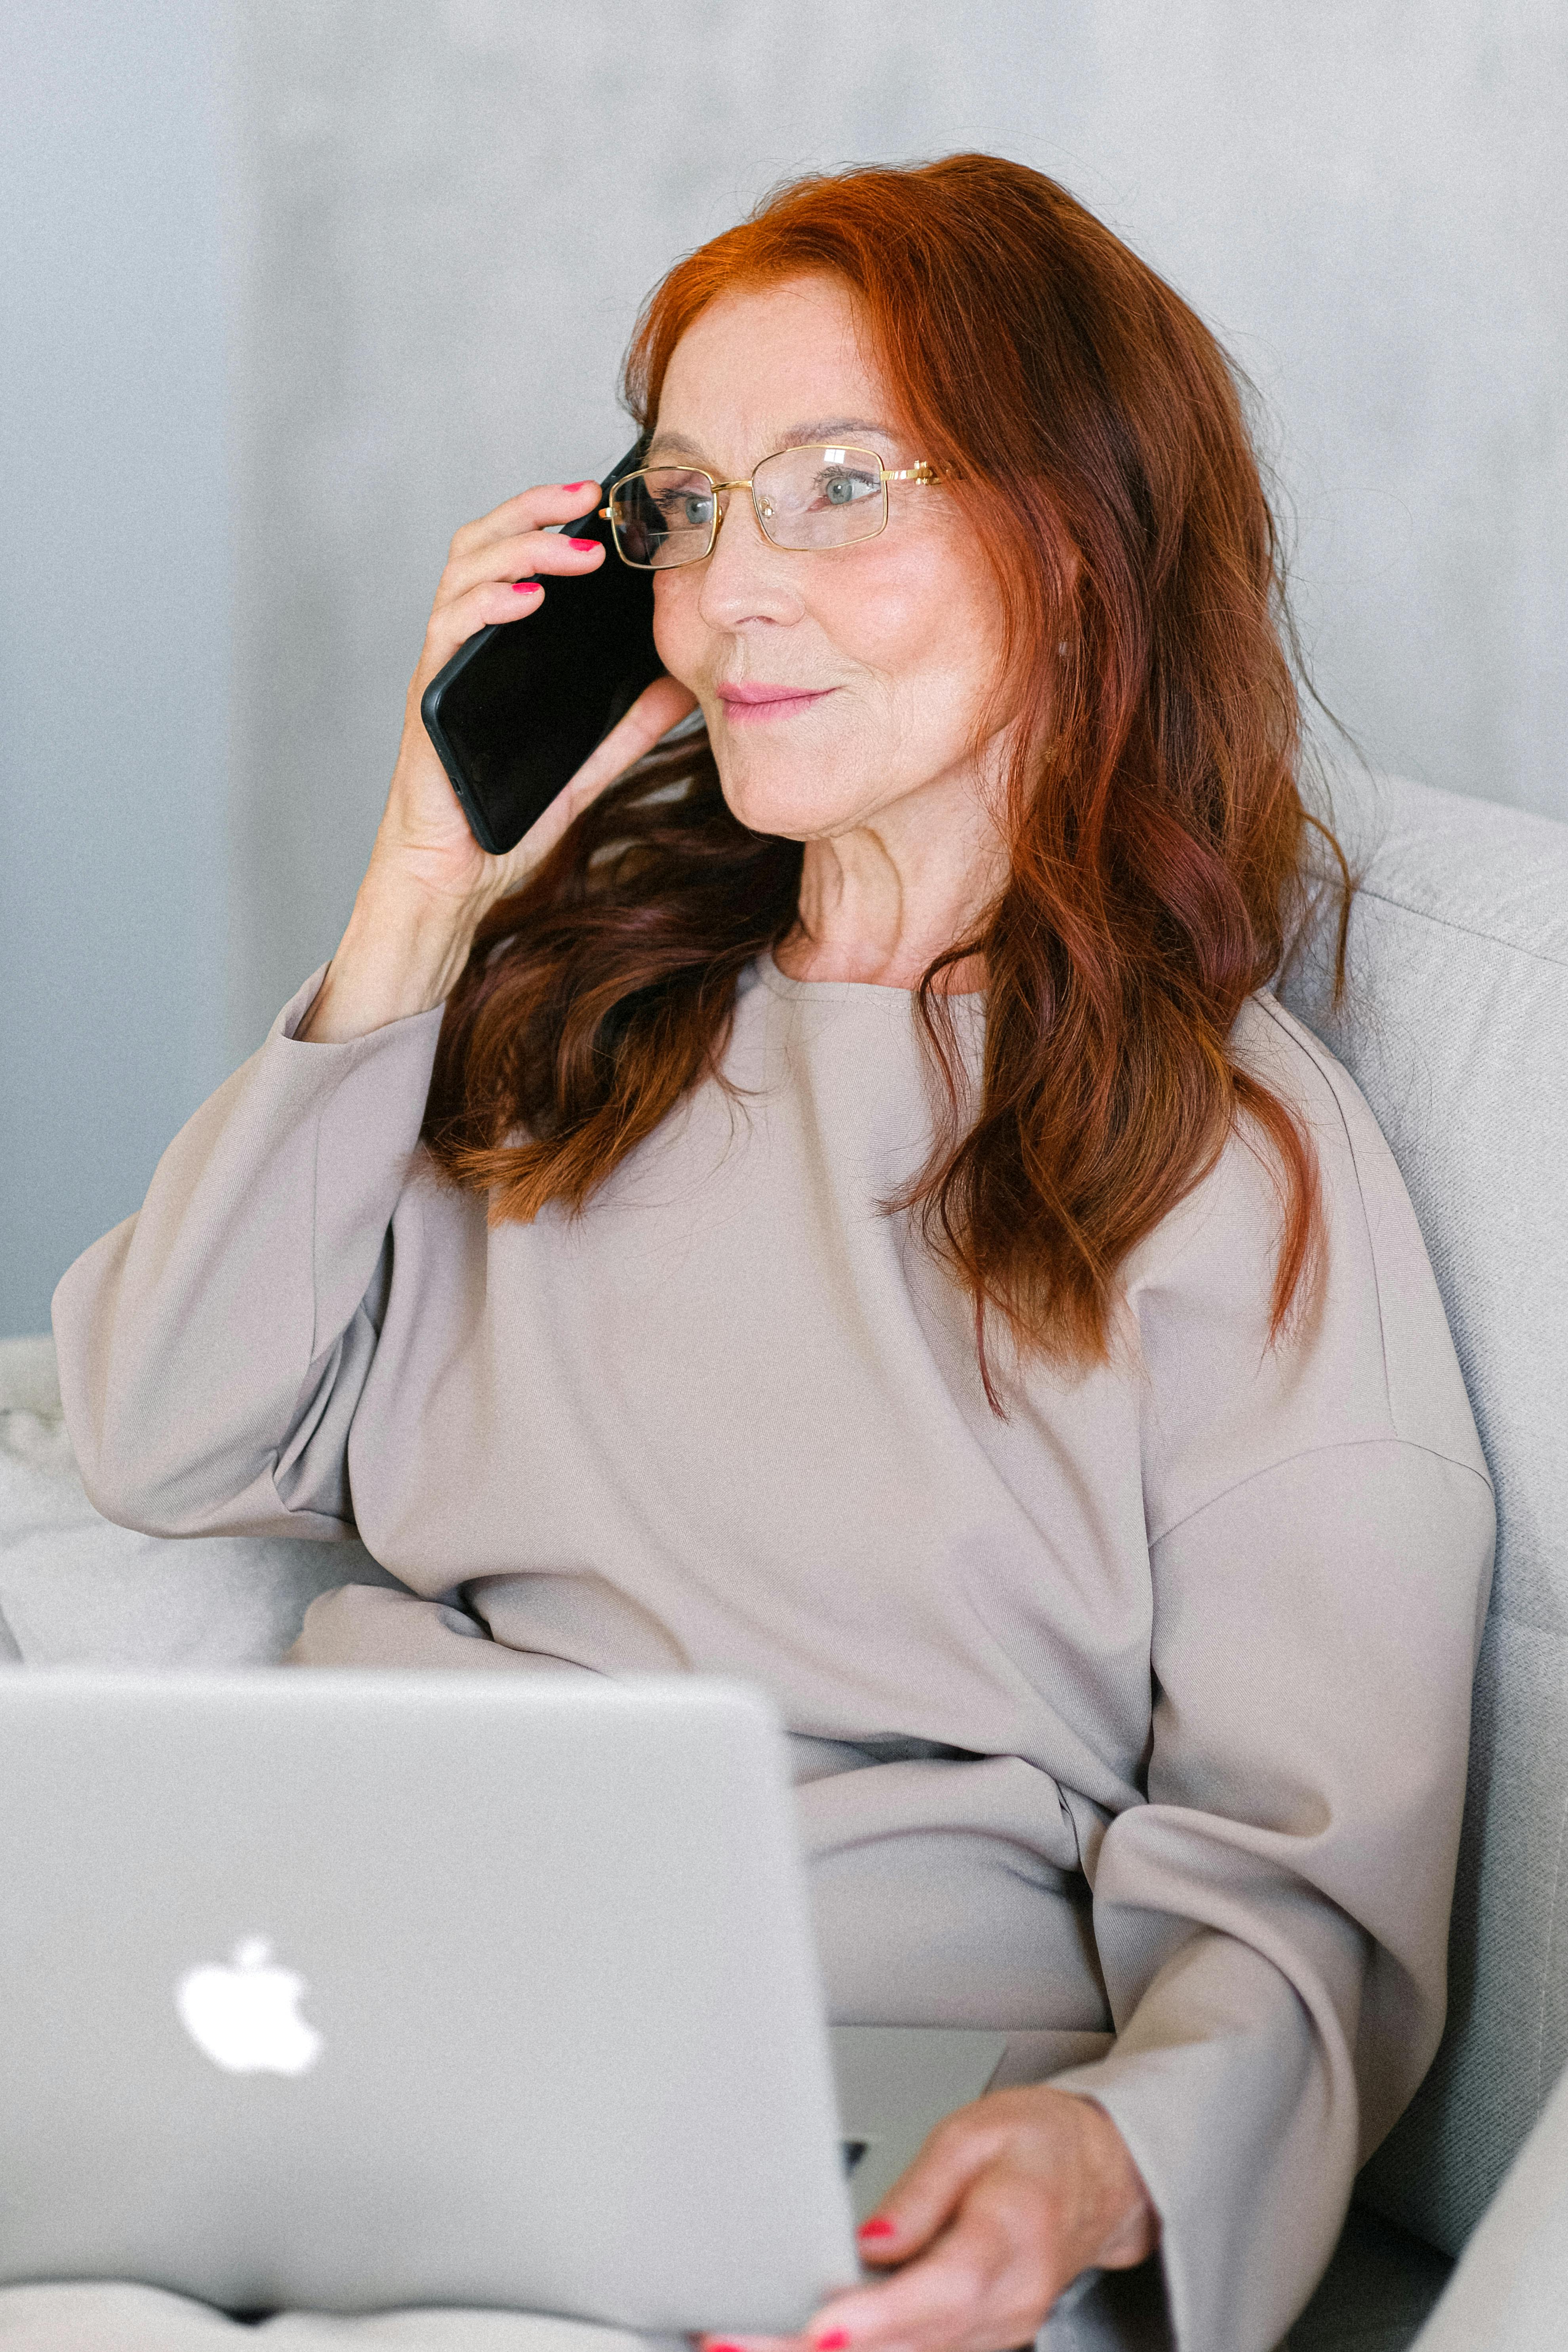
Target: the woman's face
(883, 653)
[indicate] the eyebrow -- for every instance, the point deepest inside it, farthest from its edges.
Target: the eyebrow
(823, 429)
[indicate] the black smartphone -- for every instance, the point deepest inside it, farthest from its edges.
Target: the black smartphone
(519, 707)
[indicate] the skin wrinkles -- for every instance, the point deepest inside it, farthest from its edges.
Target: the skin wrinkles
(900, 636)
(831, 428)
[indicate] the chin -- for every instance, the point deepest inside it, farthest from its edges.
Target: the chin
(790, 815)
(790, 799)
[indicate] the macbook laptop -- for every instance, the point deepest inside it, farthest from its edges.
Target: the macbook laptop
(348, 1990)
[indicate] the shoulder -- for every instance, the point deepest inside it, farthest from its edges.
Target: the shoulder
(1223, 1237)
(1367, 1355)
(1272, 1047)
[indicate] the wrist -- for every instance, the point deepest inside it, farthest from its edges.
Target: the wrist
(1134, 2221)
(401, 954)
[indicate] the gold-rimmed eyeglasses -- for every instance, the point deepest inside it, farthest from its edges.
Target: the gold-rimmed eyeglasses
(802, 497)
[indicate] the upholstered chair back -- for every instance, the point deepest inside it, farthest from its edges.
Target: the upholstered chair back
(1454, 1024)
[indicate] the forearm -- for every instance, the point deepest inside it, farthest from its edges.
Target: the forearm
(1271, 1924)
(1238, 2107)
(430, 883)
(401, 955)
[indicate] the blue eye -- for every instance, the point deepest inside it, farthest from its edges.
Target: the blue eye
(845, 489)
(684, 510)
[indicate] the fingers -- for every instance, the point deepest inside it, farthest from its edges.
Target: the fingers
(497, 596)
(490, 562)
(754, 2343)
(517, 554)
(986, 2284)
(925, 2197)
(1007, 2202)
(551, 502)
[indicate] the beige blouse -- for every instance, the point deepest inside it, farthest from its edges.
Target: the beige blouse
(1140, 1713)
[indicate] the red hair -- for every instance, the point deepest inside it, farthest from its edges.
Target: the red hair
(1091, 427)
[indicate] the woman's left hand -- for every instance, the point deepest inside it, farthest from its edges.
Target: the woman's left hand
(1007, 2202)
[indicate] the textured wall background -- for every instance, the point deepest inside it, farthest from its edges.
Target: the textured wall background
(453, 211)
(441, 217)
(115, 552)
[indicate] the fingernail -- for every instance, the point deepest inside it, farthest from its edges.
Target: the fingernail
(526, 587)
(834, 2341)
(720, 2344)
(591, 486)
(878, 2226)
(585, 546)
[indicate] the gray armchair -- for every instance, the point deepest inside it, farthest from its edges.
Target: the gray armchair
(1454, 1024)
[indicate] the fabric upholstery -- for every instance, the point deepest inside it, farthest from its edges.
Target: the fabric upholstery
(1454, 1024)
(111, 2315)
(1509, 2292)
(1379, 2289)
(75, 1588)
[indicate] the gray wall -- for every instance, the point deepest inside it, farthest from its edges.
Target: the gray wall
(114, 587)
(455, 211)
(443, 218)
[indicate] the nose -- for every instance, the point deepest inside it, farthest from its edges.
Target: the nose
(746, 578)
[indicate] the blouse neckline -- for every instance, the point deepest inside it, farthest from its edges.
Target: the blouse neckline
(782, 984)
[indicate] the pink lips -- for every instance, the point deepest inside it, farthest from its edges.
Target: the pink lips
(745, 705)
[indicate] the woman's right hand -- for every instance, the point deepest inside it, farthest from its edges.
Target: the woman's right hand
(429, 882)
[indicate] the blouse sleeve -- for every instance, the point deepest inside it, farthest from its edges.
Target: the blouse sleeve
(1272, 1923)
(213, 1348)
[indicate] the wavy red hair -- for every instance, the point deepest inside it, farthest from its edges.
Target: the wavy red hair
(1092, 427)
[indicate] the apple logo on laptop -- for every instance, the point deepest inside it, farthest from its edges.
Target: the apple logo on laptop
(246, 2017)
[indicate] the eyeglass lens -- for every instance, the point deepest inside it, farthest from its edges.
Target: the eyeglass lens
(804, 498)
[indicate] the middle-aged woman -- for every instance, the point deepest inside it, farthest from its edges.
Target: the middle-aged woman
(837, 1206)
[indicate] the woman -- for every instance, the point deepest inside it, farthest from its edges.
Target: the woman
(840, 1206)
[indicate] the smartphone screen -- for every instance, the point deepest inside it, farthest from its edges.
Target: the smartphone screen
(519, 708)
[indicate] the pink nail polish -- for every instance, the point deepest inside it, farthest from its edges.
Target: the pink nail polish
(584, 546)
(526, 587)
(579, 486)
(834, 2341)
(878, 2226)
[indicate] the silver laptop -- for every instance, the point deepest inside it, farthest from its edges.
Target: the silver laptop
(348, 1990)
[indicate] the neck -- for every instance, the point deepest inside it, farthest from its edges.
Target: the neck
(880, 909)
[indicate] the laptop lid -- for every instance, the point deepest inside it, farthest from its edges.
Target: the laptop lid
(356, 1990)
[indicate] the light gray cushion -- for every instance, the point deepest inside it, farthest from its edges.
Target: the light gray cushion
(106, 2316)
(1455, 1026)
(73, 1587)
(1509, 2292)
(1376, 2292)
